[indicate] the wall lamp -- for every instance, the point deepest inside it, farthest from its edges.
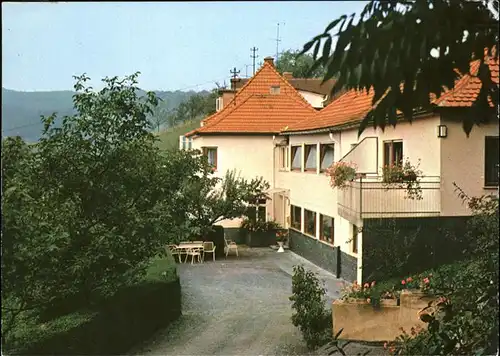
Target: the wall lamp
(442, 131)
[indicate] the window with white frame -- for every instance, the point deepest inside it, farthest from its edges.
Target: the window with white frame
(296, 158)
(310, 157)
(218, 104)
(211, 153)
(186, 143)
(326, 156)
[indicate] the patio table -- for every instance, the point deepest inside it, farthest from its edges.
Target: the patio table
(184, 247)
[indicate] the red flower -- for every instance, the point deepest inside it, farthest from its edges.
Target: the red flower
(366, 285)
(385, 345)
(409, 279)
(426, 280)
(403, 282)
(373, 284)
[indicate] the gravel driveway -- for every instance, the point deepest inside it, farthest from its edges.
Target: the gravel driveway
(237, 306)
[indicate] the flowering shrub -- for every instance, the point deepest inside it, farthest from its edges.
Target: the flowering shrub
(281, 235)
(340, 173)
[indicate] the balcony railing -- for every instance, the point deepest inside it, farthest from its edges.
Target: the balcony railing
(370, 198)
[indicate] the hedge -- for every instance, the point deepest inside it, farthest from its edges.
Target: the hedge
(132, 315)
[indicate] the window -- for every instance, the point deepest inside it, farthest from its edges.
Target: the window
(393, 153)
(275, 89)
(296, 157)
(491, 158)
(218, 104)
(311, 158)
(186, 142)
(354, 241)
(326, 232)
(282, 157)
(296, 218)
(211, 153)
(310, 222)
(326, 157)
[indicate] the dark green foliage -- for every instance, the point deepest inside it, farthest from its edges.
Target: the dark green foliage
(114, 327)
(110, 326)
(391, 44)
(299, 65)
(404, 246)
(310, 314)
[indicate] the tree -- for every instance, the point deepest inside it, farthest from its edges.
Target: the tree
(298, 64)
(391, 49)
(86, 207)
(211, 199)
(158, 117)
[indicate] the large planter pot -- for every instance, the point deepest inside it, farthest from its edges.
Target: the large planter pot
(261, 238)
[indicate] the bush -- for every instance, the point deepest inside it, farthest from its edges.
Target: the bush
(112, 326)
(311, 315)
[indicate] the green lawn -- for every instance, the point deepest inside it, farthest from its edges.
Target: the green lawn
(169, 139)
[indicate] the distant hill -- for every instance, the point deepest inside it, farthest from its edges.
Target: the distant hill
(21, 111)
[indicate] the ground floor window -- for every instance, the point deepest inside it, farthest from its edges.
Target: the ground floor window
(326, 232)
(296, 218)
(310, 222)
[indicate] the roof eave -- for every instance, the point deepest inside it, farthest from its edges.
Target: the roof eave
(347, 125)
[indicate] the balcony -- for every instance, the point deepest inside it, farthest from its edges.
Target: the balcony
(367, 198)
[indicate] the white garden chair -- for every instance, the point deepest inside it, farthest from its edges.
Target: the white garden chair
(195, 253)
(208, 247)
(174, 251)
(230, 246)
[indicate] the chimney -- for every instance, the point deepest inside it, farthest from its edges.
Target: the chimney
(269, 60)
(288, 75)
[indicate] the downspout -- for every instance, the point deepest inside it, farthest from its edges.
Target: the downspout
(274, 162)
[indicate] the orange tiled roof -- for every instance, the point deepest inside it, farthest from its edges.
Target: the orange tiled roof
(467, 88)
(353, 106)
(255, 110)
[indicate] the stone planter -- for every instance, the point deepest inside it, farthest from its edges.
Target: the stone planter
(363, 322)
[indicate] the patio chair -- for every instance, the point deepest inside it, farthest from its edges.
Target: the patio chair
(195, 252)
(230, 245)
(208, 247)
(174, 251)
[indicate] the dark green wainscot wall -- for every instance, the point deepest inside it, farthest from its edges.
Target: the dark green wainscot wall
(438, 240)
(327, 257)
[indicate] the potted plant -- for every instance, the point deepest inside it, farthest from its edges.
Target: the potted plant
(403, 176)
(280, 239)
(260, 233)
(341, 173)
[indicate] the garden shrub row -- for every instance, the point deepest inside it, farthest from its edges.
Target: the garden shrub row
(113, 327)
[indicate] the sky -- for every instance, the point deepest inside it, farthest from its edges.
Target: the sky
(175, 45)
